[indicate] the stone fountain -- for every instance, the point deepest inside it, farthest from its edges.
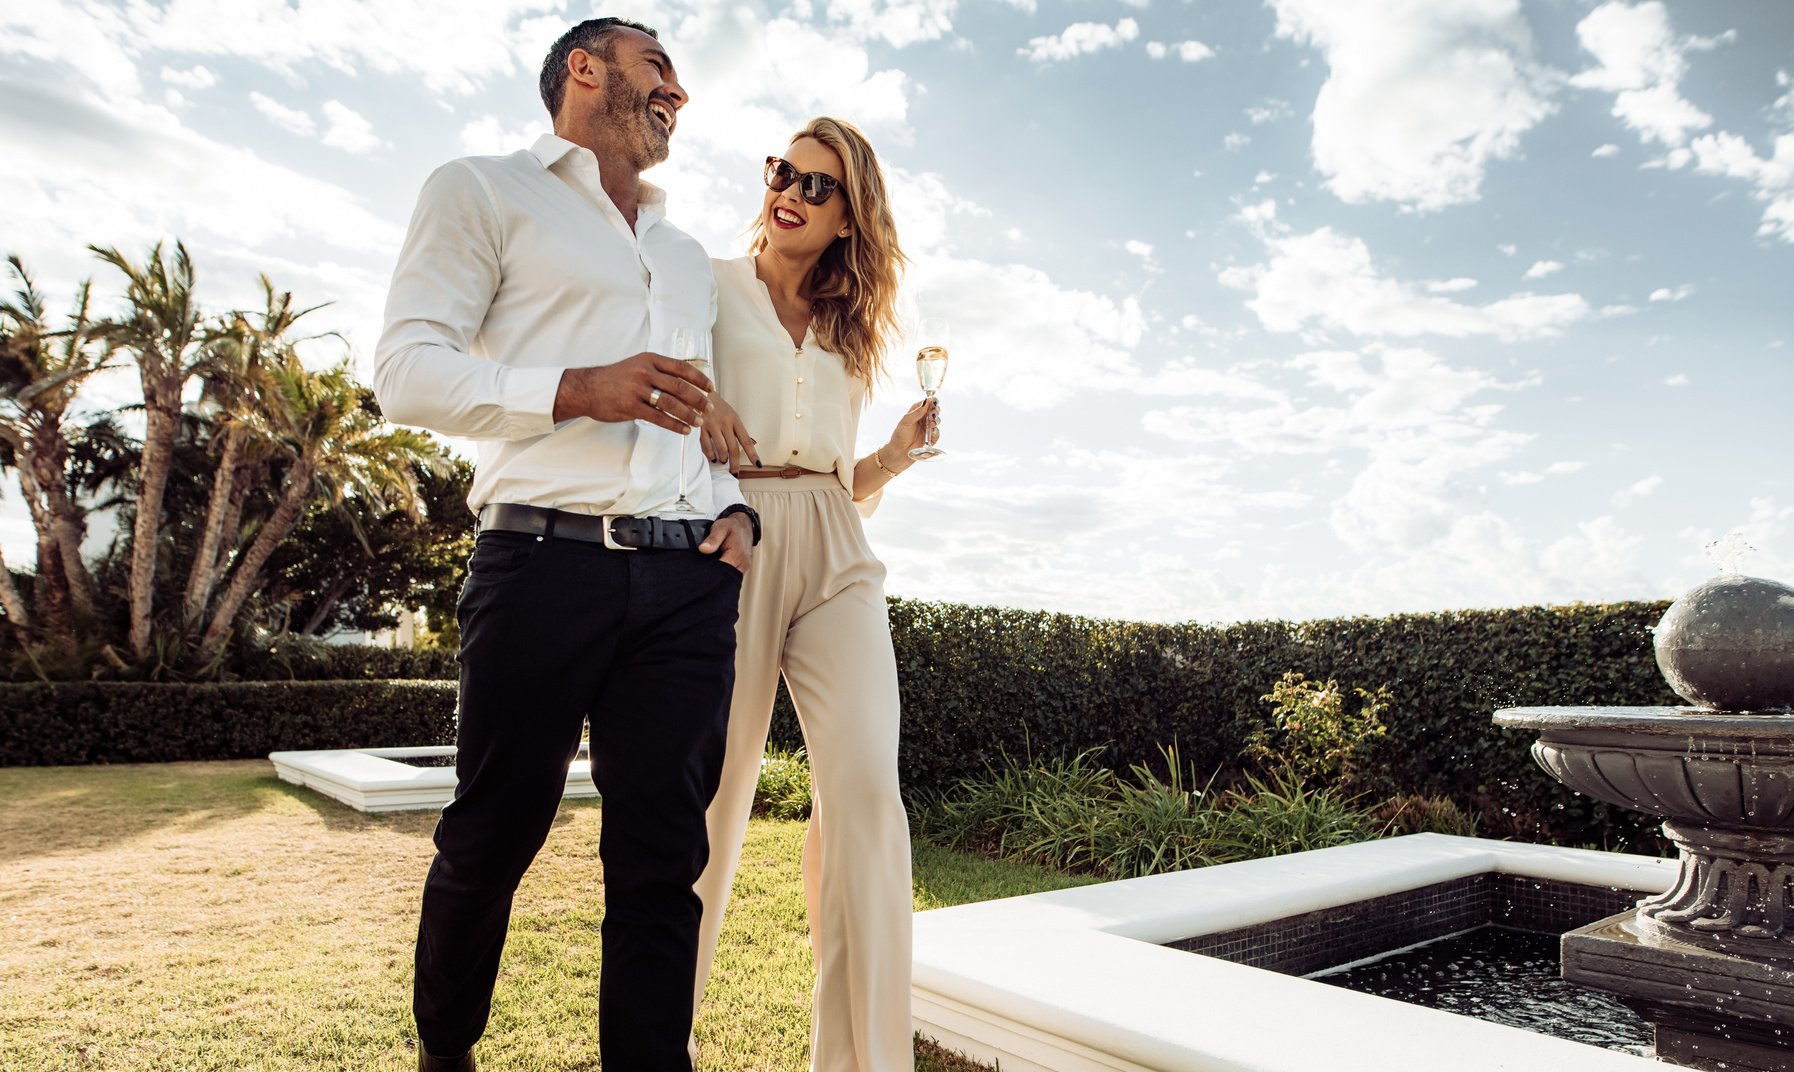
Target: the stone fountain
(1711, 961)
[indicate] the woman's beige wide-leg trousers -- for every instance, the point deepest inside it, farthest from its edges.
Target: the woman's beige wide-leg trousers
(813, 606)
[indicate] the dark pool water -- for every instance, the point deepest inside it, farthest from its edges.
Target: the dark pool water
(1507, 977)
(425, 761)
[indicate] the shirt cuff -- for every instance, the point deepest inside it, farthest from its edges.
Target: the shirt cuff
(528, 399)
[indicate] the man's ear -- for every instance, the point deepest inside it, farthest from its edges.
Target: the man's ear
(586, 68)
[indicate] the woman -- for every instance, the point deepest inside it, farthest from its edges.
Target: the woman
(802, 325)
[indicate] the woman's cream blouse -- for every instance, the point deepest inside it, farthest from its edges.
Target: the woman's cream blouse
(798, 402)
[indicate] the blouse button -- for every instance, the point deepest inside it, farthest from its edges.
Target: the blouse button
(800, 379)
(797, 416)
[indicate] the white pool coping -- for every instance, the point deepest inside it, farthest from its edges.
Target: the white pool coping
(371, 779)
(1077, 980)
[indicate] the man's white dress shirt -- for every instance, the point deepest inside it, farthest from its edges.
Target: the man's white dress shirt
(515, 268)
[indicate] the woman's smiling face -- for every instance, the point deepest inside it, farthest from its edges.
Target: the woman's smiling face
(794, 227)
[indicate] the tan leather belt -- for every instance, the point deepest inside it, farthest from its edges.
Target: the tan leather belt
(789, 472)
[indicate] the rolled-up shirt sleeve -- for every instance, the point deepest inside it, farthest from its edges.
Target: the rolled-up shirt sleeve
(425, 371)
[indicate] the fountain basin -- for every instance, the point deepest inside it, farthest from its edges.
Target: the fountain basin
(1721, 767)
(1084, 980)
(380, 779)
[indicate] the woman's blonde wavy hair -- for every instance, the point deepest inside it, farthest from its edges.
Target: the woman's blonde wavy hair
(853, 308)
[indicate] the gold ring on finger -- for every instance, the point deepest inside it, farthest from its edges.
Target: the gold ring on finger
(654, 398)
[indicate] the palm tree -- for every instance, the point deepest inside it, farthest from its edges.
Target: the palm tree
(41, 371)
(169, 338)
(336, 444)
(236, 379)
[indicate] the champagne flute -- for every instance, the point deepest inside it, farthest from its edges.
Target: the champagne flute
(692, 347)
(931, 369)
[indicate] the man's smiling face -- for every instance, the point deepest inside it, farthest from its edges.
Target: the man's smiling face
(642, 97)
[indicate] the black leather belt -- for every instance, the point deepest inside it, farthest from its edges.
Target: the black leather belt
(616, 531)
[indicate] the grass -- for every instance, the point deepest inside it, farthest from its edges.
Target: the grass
(206, 916)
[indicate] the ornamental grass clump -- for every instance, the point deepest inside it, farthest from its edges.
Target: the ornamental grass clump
(783, 791)
(1074, 815)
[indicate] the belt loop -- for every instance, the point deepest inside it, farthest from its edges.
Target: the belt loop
(548, 529)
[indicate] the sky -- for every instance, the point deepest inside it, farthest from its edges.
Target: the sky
(1282, 309)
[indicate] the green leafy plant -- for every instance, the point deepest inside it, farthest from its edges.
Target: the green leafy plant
(1316, 737)
(783, 791)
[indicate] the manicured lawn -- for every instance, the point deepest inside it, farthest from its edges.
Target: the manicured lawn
(206, 916)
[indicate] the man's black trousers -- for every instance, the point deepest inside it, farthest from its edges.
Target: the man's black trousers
(641, 643)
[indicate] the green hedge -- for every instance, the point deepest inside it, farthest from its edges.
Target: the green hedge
(980, 681)
(132, 722)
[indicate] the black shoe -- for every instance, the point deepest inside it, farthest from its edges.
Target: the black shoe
(426, 1063)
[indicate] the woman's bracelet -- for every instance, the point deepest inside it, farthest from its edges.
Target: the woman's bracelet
(878, 457)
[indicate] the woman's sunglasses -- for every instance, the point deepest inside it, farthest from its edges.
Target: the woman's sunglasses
(814, 186)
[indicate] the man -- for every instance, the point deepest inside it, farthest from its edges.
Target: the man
(529, 299)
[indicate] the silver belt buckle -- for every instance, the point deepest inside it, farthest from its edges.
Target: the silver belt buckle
(609, 540)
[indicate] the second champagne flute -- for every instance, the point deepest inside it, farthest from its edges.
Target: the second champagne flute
(931, 370)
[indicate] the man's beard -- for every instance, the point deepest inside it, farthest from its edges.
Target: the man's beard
(626, 111)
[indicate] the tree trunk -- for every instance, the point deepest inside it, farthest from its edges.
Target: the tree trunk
(247, 575)
(66, 526)
(13, 601)
(161, 422)
(58, 608)
(338, 588)
(208, 560)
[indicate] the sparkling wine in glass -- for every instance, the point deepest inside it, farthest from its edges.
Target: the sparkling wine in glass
(692, 347)
(931, 370)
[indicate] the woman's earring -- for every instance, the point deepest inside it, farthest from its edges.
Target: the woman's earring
(843, 232)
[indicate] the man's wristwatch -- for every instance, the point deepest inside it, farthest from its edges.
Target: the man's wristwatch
(752, 515)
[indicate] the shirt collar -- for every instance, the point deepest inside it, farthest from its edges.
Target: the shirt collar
(550, 148)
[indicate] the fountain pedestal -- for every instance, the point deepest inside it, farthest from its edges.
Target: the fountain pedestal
(1711, 961)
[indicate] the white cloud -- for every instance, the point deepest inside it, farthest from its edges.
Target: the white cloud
(1641, 64)
(1325, 280)
(1269, 111)
(1449, 286)
(1729, 154)
(1420, 95)
(1236, 141)
(1012, 314)
(1188, 51)
(349, 130)
(1137, 247)
(899, 23)
(488, 136)
(1263, 177)
(65, 155)
(1680, 379)
(1507, 249)
(290, 119)
(193, 78)
(1676, 295)
(1541, 269)
(1413, 420)
(1604, 151)
(1080, 38)
(1628, 495)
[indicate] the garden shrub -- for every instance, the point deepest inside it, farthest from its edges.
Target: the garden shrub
(1313, 736)
(783, 790)
(980, 683)
(135, 722)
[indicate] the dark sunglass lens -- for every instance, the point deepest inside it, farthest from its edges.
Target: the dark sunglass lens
(779, 174)
(818, 187)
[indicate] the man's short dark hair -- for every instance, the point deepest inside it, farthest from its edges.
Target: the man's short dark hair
(592, 35)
